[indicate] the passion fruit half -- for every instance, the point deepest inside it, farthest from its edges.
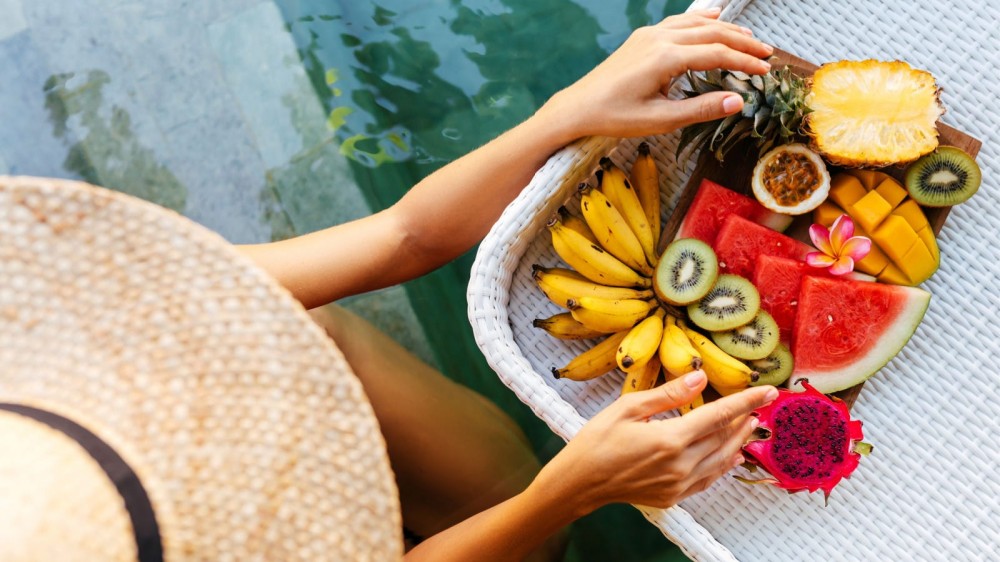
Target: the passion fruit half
(791, 179)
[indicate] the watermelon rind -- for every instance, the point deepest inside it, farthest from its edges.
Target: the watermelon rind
(889, 344)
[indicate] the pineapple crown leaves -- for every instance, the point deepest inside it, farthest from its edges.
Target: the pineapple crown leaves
(773, 110)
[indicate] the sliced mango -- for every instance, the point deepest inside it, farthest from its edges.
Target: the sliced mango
(892, 192)
(894, 275)
(868, 178)
(926, 235)
(870, 210)
(904, 249)
(913, 214)
(826, 213)
(846, 190)
(918, 264)
(876, 260)
(895, 237)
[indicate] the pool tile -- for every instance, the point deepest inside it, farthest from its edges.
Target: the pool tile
(13, 21)
(260, 63)
(27, 142)
(317, 189)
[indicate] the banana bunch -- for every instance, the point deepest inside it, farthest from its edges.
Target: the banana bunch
(606, 292)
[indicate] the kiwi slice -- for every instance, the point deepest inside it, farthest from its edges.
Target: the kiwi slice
(947, 176)
(754, 340)
(686, 271)
(775, 368)
(731, 302)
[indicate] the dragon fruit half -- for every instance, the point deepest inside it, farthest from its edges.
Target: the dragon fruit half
(806, 441)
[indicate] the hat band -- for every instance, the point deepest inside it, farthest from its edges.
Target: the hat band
(140, 510)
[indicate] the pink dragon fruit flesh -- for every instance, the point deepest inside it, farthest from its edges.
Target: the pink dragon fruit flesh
(805, 441)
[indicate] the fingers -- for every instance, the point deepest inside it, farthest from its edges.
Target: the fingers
(717, 415)
(718, 452)
(699, 18)
(706, 107)
(733, 39)
(680, 391)
(718, 55)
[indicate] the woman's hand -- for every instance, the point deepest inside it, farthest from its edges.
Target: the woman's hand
(625, 96)
(621, 456)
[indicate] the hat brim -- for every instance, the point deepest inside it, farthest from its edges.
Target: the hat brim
(246, 426)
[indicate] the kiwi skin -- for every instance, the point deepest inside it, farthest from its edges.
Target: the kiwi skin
(775, 368)
(708, 313)
(948, 176)
(754, 340)
(705, 273)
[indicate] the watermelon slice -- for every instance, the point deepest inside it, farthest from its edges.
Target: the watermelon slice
(713, 203)
(845, 331)
(778, 281)
(741, 242)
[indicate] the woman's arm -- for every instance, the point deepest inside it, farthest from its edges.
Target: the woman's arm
(452, 209)
(619, 456)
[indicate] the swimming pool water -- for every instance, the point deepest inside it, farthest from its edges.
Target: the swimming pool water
(264, 119)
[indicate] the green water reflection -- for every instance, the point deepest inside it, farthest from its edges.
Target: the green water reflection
(409, 86)
(108, 153)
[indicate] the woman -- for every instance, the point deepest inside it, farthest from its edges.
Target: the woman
(466, 475)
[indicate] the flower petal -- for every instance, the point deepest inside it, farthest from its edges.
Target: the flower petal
(857, 247)
(819, 259)
(840, 232)
(821, 238)
(842, 266)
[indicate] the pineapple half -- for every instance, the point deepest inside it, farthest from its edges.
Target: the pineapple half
(872, 113)
(857, 113)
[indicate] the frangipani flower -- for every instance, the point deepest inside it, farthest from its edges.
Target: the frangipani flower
(839, 248)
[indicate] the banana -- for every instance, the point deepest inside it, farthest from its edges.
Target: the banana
(677, 354)
(726, 374)
(642, 379)
(610, 315)
(641, 343)
(561, 284)
(565, 327)
(645, 180)
(591, 261)
(619, 191)
(574, 222)
(688, 408)
(594, 362)
(611, 229)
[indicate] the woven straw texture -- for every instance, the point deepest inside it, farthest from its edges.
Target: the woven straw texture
(927, 492)
(243, 421)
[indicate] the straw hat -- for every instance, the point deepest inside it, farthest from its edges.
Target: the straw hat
(158, 389)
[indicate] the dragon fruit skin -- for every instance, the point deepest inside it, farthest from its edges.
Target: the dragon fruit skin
(805, 441)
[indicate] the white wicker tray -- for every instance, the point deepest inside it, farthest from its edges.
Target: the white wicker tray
(927, 492)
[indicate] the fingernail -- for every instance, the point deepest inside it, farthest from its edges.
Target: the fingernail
(754, 422)
(768, 48)
(714, 9)
(771, 395)
(732, 104)
(746, 30)
(766, 65)
(693, 380)
(738, 461)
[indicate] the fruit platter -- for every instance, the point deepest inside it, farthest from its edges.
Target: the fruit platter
(793, 256)
(921, 492)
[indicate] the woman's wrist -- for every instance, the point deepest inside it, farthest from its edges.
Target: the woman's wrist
(566, 497)
(559, 119)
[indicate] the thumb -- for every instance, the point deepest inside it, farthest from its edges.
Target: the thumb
(675, 393)
(706, 107)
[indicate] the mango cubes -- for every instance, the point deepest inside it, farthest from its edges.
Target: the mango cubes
(904, 248)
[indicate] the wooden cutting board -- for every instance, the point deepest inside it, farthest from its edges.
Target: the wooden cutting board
(736, 171)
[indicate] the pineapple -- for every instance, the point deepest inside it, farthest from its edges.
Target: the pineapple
(856, 113)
